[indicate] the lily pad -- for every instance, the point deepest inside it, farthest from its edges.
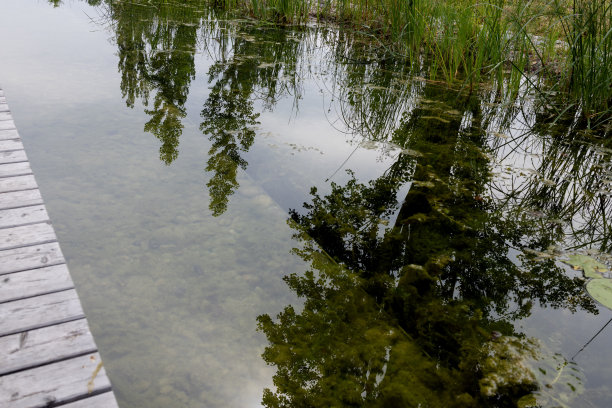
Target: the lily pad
(591, 267)
(601, 291)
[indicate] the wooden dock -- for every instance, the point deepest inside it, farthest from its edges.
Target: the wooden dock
(48, 356)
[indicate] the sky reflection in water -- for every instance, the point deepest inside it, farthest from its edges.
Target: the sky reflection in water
(177, 152)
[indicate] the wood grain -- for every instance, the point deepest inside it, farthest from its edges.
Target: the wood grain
(22, 216)
(44, 346)
(30, 257)
(7, 124)
(34, 282)
(18, 199)
(17, 183)
(15, 169)
(52, 384)
(11, 144)
(26, 235)
(106, 400)
(9, 134)
(40, 311)
(14, 156)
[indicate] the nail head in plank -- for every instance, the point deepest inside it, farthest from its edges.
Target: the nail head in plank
(34, 348)
(56, 383)
(106, 400)
(30, 257)
(15, 169)
(26, 235)
(39, 311)
(20, 216)
(34, 282)
(18, 183)
(18, 199)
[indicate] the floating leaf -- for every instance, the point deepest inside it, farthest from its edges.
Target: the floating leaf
(590, 266)
(601, 291)
(528, 401)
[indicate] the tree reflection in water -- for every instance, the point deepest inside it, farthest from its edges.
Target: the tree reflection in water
(417, 277)
(410, 301)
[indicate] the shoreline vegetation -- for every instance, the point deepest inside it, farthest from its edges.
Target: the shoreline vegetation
(560, 49)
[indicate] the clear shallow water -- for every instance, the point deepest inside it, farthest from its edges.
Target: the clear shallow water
(249, 118)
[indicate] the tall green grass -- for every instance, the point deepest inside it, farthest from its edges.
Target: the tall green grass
(516, 45)
(589, 59)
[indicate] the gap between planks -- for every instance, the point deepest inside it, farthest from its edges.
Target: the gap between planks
(48, 356)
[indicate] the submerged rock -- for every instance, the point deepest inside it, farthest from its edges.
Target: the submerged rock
(505, 368)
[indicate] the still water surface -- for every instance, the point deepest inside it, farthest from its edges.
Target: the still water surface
(204, 173)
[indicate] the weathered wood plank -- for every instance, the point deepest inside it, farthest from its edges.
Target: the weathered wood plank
(15, 169)
(106, 400)
(26, 235)
(36, 256)
(14, 156)
(55, 383)
(7, 124)
(18, 183)
(44, 346)
(21, 216)
(44, 337)
(40, 311)
(10, 144)
(9, 134)
(18, 199)
(35, 282)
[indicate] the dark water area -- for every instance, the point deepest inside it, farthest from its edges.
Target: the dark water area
(289, 217)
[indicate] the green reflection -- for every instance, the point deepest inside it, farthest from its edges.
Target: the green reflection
(239, 74)
(412, 296)
(410, 300)
(156, 43)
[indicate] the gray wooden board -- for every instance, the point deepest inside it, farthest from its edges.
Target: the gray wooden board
(17, 199)
(18, 183)
(26, 235)
(43, 346)
(106, 400)
(34, 282)
(53, 383)
(14, 156)
(10, 144)
(21, 216)
(7, 124)
(30, 257)
(40, 311)
(9, 134)
(47, 353)
(15, 169)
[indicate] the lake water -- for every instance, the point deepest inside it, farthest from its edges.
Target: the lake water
(204, 173)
